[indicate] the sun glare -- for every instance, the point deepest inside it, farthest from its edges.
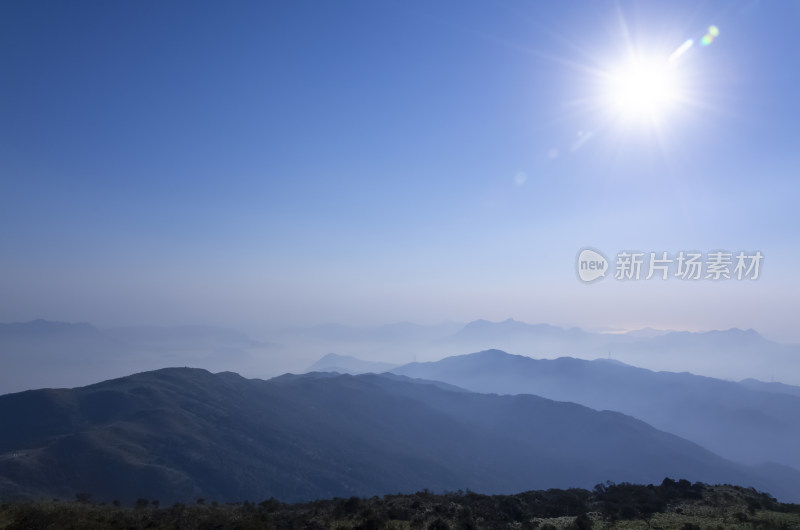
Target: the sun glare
(643, 90)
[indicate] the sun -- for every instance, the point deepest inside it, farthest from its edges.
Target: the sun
(643, 89)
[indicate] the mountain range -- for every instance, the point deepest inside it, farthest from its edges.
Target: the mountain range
(54, 354)
(180, 433)
(746, 422)
(732, 354)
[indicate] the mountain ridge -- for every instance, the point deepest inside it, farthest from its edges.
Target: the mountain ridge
(731, 419)
(180, 433)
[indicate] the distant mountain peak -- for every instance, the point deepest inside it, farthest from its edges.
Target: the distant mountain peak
(749, 332)
(494, 352)
(736, 334)
(335, 357)
(486, 333)
(40, 327)
(347, 364)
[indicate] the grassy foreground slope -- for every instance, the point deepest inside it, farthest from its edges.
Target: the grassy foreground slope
(671, 505)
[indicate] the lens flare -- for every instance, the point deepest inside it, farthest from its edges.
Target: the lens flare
(708, 38)
(683, 48)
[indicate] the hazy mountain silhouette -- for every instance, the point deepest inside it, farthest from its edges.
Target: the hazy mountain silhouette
(41, 353)
(396, 332)
(176, 434)
(776, 388)
(184, 335)
(347, 364)
(53, 354)
(733, 354)
(731, 419)
(510, 328)
(44, 329)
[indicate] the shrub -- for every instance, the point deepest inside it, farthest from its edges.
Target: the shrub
(438, 524)
(581, 522)
(83, 498)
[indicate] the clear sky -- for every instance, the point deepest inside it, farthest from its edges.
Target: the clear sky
(272, 163)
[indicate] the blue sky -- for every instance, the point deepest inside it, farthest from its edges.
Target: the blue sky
(260, 164)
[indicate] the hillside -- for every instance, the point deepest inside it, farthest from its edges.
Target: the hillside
(178, 434)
